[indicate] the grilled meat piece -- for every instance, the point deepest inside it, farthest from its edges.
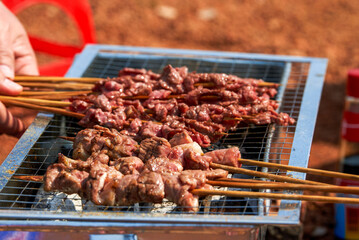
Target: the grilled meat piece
(163, 165)
(228, 156)
(129, 165)
(100, 185)
(180, 138)
(59, 178)
(126, 190)
(154, 147)
(100, 138)
(151, 187)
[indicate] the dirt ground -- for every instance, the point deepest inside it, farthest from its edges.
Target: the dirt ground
(303, 28)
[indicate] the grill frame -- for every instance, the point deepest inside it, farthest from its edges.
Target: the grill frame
(288, 212)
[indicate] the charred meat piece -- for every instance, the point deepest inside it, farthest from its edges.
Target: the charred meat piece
(126, 190)
(151, 187)
(179, 193)
(100, 185)
(129, 165)
(59, 178)
(154, 147)
(172, 79)
(84, 165)
(178, 186)
(116, 144)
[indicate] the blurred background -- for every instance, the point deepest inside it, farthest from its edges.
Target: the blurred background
(302, 28)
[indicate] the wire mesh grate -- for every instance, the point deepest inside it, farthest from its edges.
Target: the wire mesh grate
(267, 143)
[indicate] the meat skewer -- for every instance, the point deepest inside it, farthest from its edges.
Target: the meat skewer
(180, 148)
(233, 154)
(241, 194)
(242, 183)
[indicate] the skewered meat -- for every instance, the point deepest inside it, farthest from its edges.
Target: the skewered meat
(100, 138)
(129, 165)
(228, 156)
(205, 113)
(153, 148)
(59, 178)
(104, 185)
(164, 165)
(180, 138)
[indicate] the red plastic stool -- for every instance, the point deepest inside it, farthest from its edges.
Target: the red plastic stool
(80, 12)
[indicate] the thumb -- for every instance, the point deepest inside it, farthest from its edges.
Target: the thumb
(7, 57)
(7, 86)
(9, 124)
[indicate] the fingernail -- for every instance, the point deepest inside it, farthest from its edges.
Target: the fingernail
(7, 71)
(11, 87)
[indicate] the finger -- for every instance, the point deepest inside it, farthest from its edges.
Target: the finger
(9, 124)
(25, 60)
(7, 86)
(7, 57)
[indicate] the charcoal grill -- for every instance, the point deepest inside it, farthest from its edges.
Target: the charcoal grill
(23, 204)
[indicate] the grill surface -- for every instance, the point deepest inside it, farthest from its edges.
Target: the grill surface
(301, 82)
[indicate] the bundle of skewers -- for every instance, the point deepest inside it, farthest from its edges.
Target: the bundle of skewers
(139, 102)
(145, 134)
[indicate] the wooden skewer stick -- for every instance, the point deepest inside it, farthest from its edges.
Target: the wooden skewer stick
(242, 194)
(37, 93)
(286, 186)
(45, 109)
(30, 178)
(245, 180)
(73, 86)
(51, 97)
(55, 79)
(211, 84)
(72, 139)
(41, 102)
(264, 175)
(300, 169)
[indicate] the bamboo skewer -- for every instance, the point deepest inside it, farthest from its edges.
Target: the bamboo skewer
(39, 93)
(72, 139)
(286, 186)
(242, 194)
(30, 178)
(43, 108)
(211, 84)
(73, 86)
(264, 175)
(55, 79)
(301, 169)
(41, 102)
(51, 97)
(49, 103)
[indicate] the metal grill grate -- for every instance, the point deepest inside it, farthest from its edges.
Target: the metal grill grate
(266, 143)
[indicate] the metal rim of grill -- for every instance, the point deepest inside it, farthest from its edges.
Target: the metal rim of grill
(299, 94)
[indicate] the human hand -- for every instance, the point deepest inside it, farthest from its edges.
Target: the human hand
(16, 57)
